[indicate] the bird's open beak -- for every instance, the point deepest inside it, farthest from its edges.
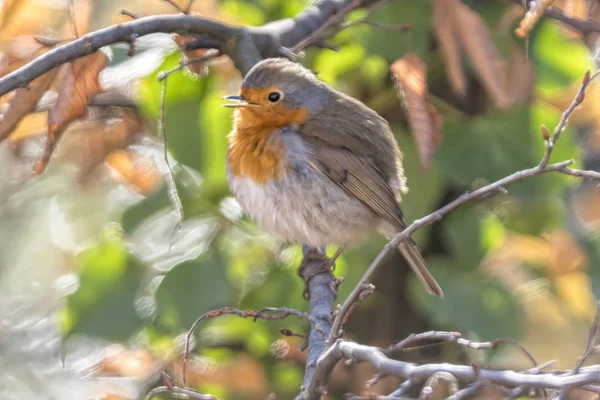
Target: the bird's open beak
(241, 101)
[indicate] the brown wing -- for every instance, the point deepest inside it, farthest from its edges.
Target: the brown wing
(359, 177)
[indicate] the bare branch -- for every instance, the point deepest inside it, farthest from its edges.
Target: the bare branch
(177, 6)
(244, 45)
(579, 97)
(177, 390)
(350, 350)
(456, 337)
(322, 289)
(591, 340)
(267, 314)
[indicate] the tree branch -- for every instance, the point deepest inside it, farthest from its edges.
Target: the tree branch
(354, 351)
(322, 289)
(246, 46)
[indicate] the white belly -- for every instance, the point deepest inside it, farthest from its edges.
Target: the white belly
(303, 206)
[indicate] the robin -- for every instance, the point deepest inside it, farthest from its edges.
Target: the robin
(314, 166)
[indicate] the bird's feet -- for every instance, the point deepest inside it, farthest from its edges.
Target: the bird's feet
(322, 264)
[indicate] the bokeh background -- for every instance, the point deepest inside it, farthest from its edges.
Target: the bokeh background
(97, 288)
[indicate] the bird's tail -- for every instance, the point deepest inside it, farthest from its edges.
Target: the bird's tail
(413, 256)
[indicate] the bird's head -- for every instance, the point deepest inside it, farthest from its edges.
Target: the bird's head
(278, 92)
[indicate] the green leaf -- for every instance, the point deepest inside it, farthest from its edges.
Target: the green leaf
(103, 305)
(393, 45)
(189, 290)
(471, 302)
(488, 147)
(215, 125)
(331, 65)
(559, 61)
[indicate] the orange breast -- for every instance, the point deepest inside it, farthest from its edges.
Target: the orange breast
(253, 153)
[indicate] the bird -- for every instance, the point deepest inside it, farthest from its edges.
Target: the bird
(312, 165)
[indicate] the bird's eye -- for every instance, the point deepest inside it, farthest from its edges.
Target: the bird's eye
(274, 97)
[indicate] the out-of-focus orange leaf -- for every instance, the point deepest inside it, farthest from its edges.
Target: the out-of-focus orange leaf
(586, 207)
(198, 68)
(34, 124)
(445, 31)
(79, 86)
(140, 173)
(124, 362)
(250, 376)
(22, 102)
(562, 261)
(31, 17)
(477, 42)
(424, 120)
(532, 16)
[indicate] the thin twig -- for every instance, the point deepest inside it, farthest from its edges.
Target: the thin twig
(456, 337)
(189, 7)
(267, 314)
(210, 54)
(177, 6)
(319, 34)
(171, 185)
(177, 390)
(366, 291)
(591, 340)
(370, 11)
(130, 14)
(579, 97)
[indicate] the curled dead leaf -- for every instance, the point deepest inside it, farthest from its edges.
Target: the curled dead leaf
(477, 41)
(22, 102)
(424, 120)
(79, 86)
(458, 27)
(445, 30)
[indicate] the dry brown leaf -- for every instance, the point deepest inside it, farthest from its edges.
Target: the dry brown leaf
(104, 136)
(445, 30)
(477, 42)
(198, 68)
(424, 120)
(520, 77)
(79, 86)
(22, 102)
